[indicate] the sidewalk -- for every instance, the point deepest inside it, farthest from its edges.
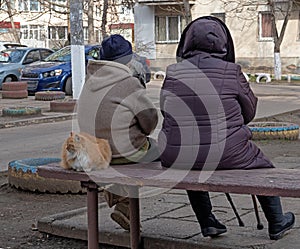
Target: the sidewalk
(169, 223)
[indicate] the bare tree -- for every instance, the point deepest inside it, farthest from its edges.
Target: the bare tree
(104, 18)
(187, 11)
(91, 21)
(279, 10)
(278, 36)
(6, 6)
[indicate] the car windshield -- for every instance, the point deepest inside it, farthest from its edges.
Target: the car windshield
(62, 55)
(13, 56)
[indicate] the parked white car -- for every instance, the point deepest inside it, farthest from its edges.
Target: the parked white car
(6, 45)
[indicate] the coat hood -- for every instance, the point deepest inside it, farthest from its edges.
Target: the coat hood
(101, 74)
(206, 34)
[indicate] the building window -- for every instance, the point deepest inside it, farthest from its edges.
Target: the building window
(29, 5)
(24, 32)
(168, 28)
(221, 16)
(98, 35)
(58, 32)
(265, 26)
(32, 32)
(98, 11)
(23, 5)
(125, 10)
(3, 4)
(85, 33)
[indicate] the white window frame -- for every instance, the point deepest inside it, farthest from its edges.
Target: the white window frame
(180, 18)
(260, 27)
(98, 11)
(32, 29)
(25, 5)
(53, 32)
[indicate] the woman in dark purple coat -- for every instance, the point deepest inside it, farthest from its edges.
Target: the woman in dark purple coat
(207, 103)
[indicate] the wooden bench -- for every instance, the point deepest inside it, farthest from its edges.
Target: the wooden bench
(271, 182)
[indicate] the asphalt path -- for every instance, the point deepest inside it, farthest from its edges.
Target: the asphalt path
(38, 140)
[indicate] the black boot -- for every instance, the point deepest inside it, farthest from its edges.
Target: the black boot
(202, 207)
(279, 223)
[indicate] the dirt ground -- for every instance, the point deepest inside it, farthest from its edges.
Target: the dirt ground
(20, 210)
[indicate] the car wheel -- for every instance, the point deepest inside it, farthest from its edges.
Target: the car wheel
(68, 86)
(8, 79)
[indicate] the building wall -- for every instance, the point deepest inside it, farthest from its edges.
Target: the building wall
(251, 52)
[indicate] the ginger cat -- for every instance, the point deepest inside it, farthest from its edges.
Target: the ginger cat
(84, 152)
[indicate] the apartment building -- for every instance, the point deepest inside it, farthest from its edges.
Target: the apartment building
(46, 23)
(159, 23)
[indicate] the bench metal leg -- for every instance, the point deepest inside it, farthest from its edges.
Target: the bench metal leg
(92, 215)
(134, 206)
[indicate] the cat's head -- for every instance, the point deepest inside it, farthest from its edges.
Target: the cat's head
(75, 141)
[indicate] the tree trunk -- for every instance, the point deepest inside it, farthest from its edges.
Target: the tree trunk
(68, 19)
(277, 66)
(91, 34)
(187, 11)
(104, 18)
(279, 38)
(14, 31)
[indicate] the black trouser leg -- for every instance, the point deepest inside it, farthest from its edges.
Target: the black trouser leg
(201, 205)
(271, 205)
(279, 223)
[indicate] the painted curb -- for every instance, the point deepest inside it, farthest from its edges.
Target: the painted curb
(22, 174)
(38, 120)
(274, 130)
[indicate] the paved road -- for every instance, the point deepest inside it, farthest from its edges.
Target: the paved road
(40, 140)
(275, 99)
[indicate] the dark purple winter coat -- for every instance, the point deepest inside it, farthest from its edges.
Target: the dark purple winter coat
(207, 103)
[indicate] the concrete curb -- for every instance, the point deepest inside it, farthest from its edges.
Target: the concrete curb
(38, 120)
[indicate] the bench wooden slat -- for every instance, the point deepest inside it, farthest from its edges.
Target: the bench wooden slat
(281, 182)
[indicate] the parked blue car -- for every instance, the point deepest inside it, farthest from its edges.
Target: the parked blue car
(55, 72)
(14, 59)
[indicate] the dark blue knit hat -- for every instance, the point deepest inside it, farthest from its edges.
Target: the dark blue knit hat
(116, 48)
